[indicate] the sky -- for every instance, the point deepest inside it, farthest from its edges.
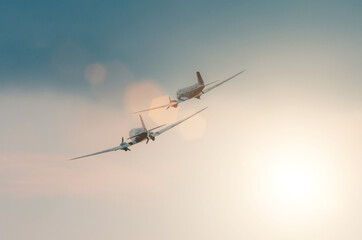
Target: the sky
(277, 155)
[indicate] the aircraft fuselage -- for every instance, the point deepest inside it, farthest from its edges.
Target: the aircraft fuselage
(189, 92)
(140, 132)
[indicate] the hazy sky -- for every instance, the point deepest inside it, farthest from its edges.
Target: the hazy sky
(277, 155)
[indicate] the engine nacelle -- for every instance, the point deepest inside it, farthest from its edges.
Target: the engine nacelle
(124, 143)
(173, 103)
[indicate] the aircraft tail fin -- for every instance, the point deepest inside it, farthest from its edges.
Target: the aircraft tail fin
(199, 78)
(143, 124)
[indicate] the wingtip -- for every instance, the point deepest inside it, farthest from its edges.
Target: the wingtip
(72, 159)
(138, 112)
(202, 109)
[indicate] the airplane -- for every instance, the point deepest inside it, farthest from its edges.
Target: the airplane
(193, 91)
(140, 134)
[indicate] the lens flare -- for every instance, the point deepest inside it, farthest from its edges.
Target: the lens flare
(139, 95)
(95, 74)
(147, 94)
(162, 116)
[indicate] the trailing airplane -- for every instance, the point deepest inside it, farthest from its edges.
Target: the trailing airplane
(138, 135)
(193, 91)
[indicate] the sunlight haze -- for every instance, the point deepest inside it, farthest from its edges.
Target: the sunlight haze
(277, 154)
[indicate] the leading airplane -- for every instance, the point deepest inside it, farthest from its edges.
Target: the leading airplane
(193, 91)
(138, 135)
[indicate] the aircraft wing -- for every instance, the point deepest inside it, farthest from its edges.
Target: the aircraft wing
(218, 84)
(175, 124)
(163, 106)
(123, 146)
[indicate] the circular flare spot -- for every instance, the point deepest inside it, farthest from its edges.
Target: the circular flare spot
(162, 115)
(147, 94)
(95, 74)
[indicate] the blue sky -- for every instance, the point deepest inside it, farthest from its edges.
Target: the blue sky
(154, 39)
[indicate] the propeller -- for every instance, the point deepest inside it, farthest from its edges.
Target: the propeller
(124, 143)
(148, 136)
(173, 103)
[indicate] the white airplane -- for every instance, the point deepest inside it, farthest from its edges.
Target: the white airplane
(140, 134)
(193, 91)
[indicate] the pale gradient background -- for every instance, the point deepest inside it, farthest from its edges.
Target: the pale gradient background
(276, 156)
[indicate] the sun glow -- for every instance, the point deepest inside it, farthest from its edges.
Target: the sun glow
(295, 177)
(293, 183)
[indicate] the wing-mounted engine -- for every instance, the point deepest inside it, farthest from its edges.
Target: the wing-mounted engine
(152, 136)
(124, 145)
(145, 134)
(173, 103)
